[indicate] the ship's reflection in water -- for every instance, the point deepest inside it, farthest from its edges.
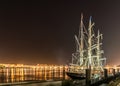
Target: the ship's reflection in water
(25, 74)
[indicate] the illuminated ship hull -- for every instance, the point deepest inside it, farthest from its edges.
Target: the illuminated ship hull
(78, 76)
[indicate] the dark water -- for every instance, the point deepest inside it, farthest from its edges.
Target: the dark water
(31, 74)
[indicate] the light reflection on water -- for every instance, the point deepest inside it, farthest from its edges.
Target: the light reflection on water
(26, 74)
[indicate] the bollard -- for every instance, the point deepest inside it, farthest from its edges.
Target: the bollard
(105, 73)
(53, 75)
(88, 76)
(59, 72)
(63, 72)
(113, 72)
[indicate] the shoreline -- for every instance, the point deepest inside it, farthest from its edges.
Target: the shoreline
(31, 82)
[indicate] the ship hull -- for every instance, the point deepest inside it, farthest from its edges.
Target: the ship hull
(78, 76)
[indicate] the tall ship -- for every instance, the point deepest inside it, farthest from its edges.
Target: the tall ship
(88, 53)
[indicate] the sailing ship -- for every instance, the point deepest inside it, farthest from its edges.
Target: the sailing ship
(88, 54)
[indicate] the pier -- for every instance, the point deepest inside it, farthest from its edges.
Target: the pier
(108, 76)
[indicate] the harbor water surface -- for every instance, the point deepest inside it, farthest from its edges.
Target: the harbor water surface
(8, 75)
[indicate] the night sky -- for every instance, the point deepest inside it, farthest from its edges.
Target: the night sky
(43, 32)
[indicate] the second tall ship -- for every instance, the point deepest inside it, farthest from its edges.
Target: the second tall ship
(88, 54)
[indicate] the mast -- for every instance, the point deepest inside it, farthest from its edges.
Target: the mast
(99, 52)
(81, 40)
(88, 51)
(98, 49)
(89, 44)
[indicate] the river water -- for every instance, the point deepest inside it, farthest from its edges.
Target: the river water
(20, 74)
(8, 75)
